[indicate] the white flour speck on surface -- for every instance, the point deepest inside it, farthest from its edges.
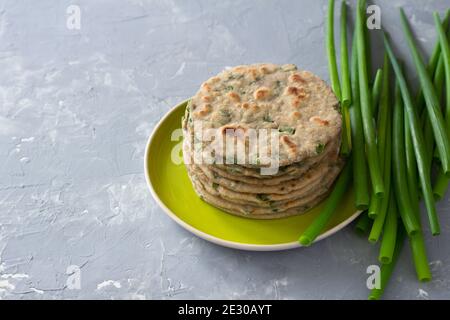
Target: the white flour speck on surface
(37, 290)
(422, 294)
(29, 139)
(24, 160)
(6, 285)
(109, 283)
(180, 70)
(14, 276)
(435, 264)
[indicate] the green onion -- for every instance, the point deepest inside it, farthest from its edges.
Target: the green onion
(267, 118)
(363, 224)
(374, 206)
(417, 244)
(346, 85)
(440, 187)
(435, 56)
(420, 152)
(346, 134)
(319, 148)
(378, 222)
(398, 155)
(368, 43)
(377, 205)
(428, 137)
(384, 204)
(385, 147)
(389, 233)
(384, 112)
(444, 45)
(262, 197)
(418, 249)
(376, 88)
(438, 81)
(436, 69)
(332, 66)
(416, 241)
(333, 200)
(411, 164)
(442, 180)
(366, 109)
(288, 130)
(360, 174)
(445, 49)
(387, 269)
(432, 103)
(433, 63)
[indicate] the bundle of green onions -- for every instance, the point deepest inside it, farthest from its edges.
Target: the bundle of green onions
(392, 141)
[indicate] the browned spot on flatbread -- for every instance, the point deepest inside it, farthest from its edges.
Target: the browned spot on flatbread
(319, 121)
(234, 96)
(214, 80)
(206, 87)
(289, 143)
(206, 109)
(292, 90)
(296, 102)
(261, 93)
(296, 91)
(254, 107)
(255, 73)
(267, 69)
(297, 78)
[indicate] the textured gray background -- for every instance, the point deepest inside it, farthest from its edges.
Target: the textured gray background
(76, 109)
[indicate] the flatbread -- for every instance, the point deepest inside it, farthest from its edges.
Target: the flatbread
(298, 104)
(266, 200)
(241, 184)
(251, 176)
(253, 212)
(298, 107)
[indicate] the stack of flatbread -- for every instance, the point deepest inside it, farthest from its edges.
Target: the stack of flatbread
(262, 141)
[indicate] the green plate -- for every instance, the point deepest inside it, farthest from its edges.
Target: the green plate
(170, 186)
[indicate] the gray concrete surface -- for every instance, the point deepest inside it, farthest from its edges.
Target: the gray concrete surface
(76, 109)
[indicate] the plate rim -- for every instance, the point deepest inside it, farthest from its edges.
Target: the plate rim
(214, 239)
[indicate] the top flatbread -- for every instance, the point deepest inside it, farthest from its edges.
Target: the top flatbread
(297, 104)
